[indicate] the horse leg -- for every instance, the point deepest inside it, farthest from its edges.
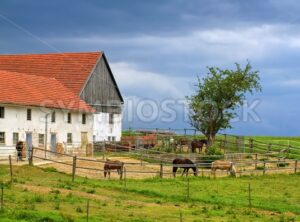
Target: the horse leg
(183, 172)
(174, 171)
(109, 174)
(105, 173)
(187, 172)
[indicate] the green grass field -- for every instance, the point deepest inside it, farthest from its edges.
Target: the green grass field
(46, 195)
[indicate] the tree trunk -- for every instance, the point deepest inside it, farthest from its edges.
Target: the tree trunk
(210, 139)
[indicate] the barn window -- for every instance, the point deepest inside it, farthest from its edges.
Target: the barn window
(111, 118)
(41, 139)
(1, 112)
(28, 114)
(83, 118)
(15, 138)
(69, 118)
(53, 117)
(2, 137)
(69, 138)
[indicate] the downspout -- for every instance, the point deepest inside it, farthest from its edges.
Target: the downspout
(46, 132)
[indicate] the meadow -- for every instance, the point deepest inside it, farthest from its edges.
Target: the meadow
(47, 195)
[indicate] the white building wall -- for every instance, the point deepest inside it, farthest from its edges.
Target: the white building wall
(15, 120)
(104, 131)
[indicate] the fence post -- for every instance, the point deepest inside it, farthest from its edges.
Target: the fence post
(296, 166)
(264, 170)
(74, 168)
(255, 161)
(161, 173)
(10, 169)
(121, 174)
(87, 210)
(249, 195)
(2, 195)
(251, 145)
(30, 158)
(125, 179)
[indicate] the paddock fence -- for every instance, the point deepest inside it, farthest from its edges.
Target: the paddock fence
(138, 165)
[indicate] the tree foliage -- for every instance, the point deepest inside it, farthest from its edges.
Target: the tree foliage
(217, 97)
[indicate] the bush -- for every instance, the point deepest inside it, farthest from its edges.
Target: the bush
(213, 150)
(50, 169)
(260, 167)
(283, 164)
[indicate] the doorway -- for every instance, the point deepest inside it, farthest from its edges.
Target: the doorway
(29, 143)
(84, 140)
(53, 142)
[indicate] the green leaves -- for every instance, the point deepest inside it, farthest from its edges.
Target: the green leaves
(218, 95)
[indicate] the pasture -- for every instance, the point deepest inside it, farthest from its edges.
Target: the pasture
(43, 194)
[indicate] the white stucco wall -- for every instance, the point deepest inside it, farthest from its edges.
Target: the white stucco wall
(103, 130)
(16, 121)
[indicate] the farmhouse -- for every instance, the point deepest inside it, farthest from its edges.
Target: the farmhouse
(68, 98)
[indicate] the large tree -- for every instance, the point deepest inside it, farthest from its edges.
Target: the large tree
(218, 96)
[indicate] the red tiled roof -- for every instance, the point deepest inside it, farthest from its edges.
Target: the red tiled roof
(23, 89)
(71, 69)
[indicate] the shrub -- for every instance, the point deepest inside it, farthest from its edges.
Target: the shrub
(79, 210)
(50, 169)
(260, 167)
(283, 164)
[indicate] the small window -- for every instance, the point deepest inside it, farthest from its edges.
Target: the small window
(113, 138)
(53, 117)
(83, 118)
(2, 137)
(109, 138)
(15, 138)
(28, 114)
(69, 118)
(41, 139)
(2, 112)
(69, 138)
(111, 118)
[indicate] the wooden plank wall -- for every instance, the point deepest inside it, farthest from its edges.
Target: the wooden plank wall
(100, 89)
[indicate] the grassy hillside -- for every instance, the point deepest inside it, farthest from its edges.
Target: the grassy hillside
(46, 195)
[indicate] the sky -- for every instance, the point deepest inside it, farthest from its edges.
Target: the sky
(158, 48)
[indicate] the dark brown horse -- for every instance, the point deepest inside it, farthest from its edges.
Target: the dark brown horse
(19, 148)
(198, 144)
(185, 164)
(113, 165)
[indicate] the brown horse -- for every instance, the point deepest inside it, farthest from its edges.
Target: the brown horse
(181, 142)
(186, 165)
(113, 165)
(198, 144)
(19, 148)
(223, 165)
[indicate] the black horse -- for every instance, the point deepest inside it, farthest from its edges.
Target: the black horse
(186, 165)
(198, 144)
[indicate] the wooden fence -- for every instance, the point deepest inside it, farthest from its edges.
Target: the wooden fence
(162, 167)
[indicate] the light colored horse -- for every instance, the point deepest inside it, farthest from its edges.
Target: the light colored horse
(223, 165)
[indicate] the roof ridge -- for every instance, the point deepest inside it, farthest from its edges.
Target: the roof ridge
(53, 53)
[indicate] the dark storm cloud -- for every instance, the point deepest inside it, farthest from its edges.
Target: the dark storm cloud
(158, 47)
